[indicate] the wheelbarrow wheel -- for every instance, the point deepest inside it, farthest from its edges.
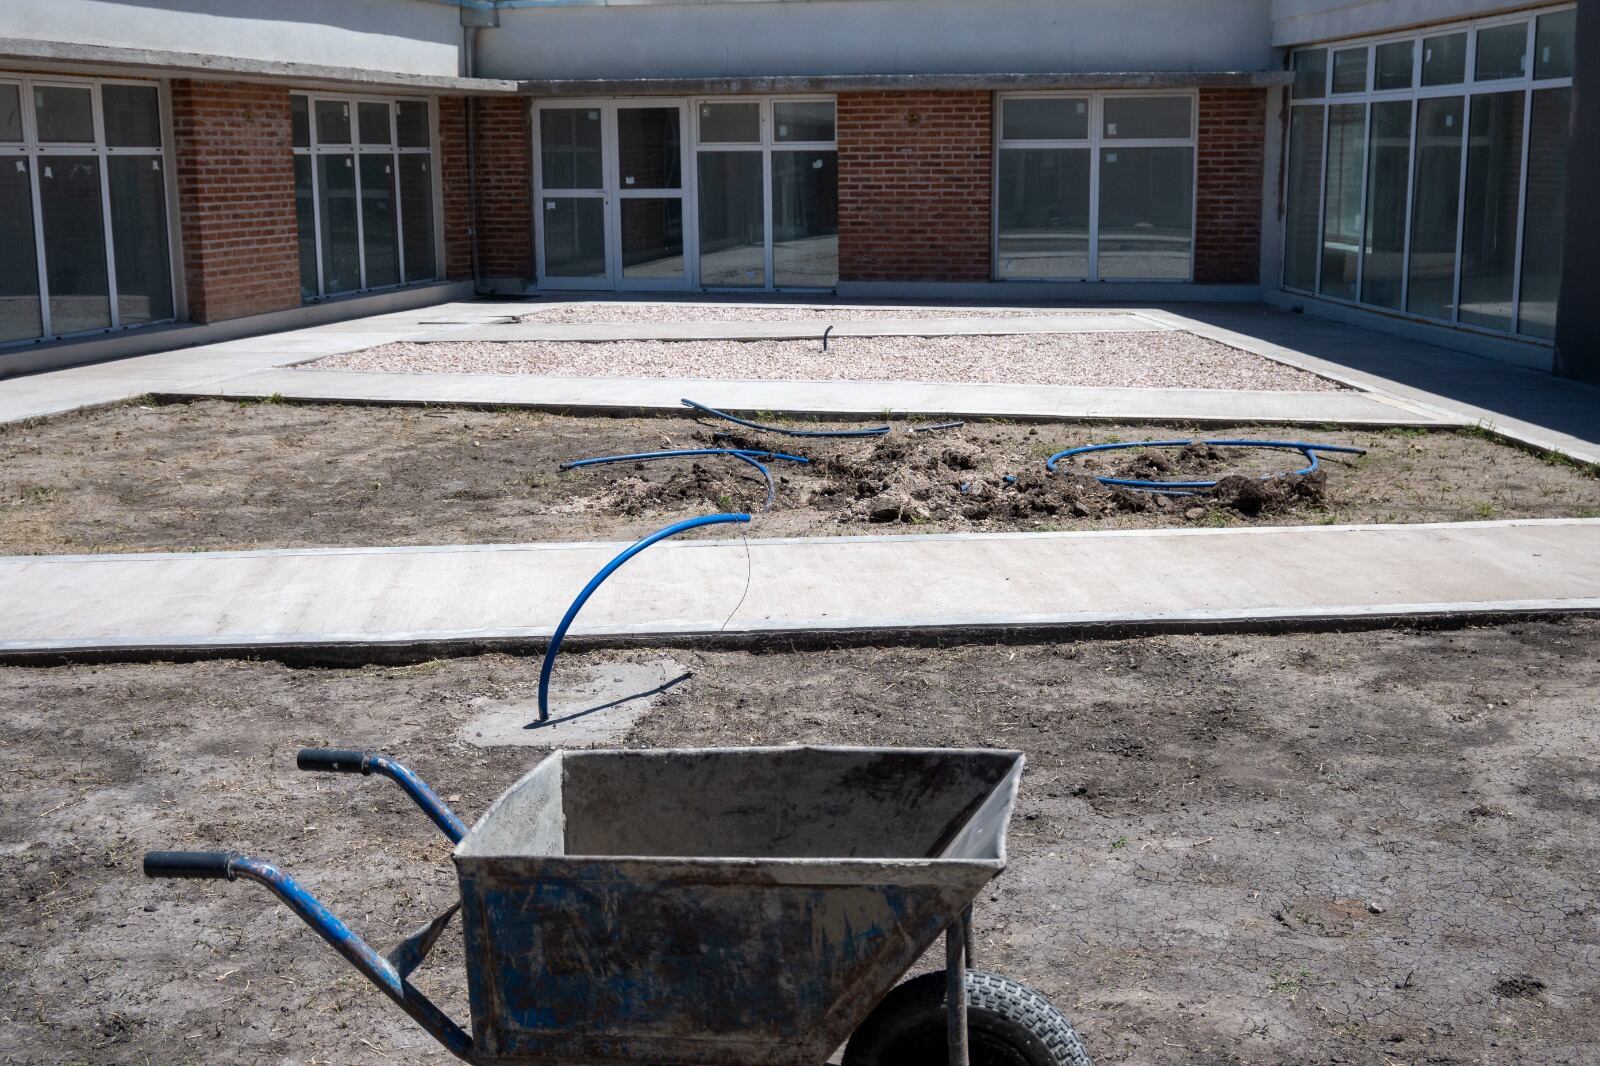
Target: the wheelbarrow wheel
(1008, 1024)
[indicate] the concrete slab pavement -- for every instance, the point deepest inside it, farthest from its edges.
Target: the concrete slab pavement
(161, 603)
(839, 399)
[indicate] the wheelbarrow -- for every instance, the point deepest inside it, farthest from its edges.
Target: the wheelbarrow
(711, 907)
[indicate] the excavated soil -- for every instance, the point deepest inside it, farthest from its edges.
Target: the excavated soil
(1371, 848)
(215, 475)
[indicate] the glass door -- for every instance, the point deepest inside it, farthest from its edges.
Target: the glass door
(610, 189)
(572, 198)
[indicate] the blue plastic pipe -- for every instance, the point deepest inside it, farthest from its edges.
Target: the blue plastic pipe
(594, 583)
(1187, 488)
(743, 454)
(875, 431)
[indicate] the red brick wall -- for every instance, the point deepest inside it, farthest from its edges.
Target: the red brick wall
(1228, 161)
(505, 187)
(235, 175)
(457, 221)
(915, 186)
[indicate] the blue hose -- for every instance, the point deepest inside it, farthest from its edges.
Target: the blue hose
(594, 583)
(1188, 488)
(875, 431)
(743, 454)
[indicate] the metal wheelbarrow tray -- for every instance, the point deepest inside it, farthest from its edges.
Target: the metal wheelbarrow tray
(715, 907)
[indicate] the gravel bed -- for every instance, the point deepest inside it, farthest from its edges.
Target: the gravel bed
(1172, 359)
(591, 312)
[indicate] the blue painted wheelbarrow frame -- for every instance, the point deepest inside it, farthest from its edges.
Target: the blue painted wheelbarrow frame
(599, 933)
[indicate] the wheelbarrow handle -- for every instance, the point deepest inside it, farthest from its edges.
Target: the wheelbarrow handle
(350, 761)
(231, 865)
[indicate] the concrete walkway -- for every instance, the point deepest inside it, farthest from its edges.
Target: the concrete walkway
(1318, 574)
(840, 399)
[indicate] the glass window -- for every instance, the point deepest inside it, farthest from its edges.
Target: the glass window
(652, 237)
(805, 219)
(1043, 199)
(300, 121)
(411, 120)
(730, 123)
(649, 152)
(1543, 230)
(74, 243)
(1435, 201)
(1341, 215)
(1502, 52)
(377, 220)
(574, 237)
(1044, 119)
(1310, 73)
(1444, 59)
(569, 148)
(1302, 237)
(802, 120)
(139, 235)
(1393, 67)
(341, 227)
(132, 116)
(416, 216)
(1146, 212)
(1140, 117)
(305, 212)
(373, 120)
(19, 266)
(64, 114)
(1388, 175)
(1552, 44)
(1489, 218)
(732, 228)
(333, 122)
(1350, 70)
(10, 112)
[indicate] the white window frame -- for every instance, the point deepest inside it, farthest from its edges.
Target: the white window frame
(1467, 88)
(355, 148)
(33, 150)
(1095, 143)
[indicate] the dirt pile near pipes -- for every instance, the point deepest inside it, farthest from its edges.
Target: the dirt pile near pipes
(955, 475)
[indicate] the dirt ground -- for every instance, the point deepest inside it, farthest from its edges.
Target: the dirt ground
(1364, 848)
(216, 475)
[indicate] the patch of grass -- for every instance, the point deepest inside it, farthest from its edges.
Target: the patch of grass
(274, 400)
(1409, 432)
(1484, 510)
(1119, 843)
(1217, 519)
(28, 494)
(1288, 983)
(1481, 430)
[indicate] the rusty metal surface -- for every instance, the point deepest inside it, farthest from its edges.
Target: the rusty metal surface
(717, 906)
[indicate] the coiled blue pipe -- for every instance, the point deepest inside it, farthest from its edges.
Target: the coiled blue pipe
(744, 454)
(1178, 488)
(594, 583)
(875, 431)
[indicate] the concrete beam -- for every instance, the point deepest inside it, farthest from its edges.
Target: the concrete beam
(818, 83)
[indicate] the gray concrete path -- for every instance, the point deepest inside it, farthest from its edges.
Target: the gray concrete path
(976, 326)
(843, 399)
(261, 599)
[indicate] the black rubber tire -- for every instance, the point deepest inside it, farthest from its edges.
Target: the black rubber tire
(1008, 1024)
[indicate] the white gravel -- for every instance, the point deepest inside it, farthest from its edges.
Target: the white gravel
(1171, 359)
(586, 313)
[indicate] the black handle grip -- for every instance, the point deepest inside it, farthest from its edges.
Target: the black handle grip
(332, 760)
(199, 864)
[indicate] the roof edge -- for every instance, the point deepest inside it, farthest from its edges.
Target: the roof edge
(809, 83)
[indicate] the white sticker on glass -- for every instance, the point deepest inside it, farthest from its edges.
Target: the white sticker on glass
(1111, 129)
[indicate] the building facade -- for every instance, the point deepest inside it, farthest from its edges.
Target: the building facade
(183, 171)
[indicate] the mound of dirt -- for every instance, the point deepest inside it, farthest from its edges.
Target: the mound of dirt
(914, 478)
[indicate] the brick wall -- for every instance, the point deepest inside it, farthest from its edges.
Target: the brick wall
(505, 176)
(457, 221)
(234, 165)
(914, 186)
(1228, 162)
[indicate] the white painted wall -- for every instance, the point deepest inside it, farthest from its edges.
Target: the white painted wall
(1301, 21)
(797, 37)
(399, 36)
